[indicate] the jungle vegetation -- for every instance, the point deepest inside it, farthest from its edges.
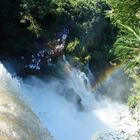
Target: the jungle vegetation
(25, 24)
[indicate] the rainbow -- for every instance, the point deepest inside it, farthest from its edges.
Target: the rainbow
(104, 75)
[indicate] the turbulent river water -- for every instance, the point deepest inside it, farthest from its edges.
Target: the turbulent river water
(66, 107)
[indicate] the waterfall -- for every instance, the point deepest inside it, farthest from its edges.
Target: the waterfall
(80, 84)
(66, 107)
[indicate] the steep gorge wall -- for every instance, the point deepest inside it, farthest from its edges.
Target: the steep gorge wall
(17, 121)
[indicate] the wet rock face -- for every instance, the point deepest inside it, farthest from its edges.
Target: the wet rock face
(71, 96)
(44, 59)
(48, 55)
(17, 121)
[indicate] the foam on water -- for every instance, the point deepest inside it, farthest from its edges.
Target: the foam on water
(58, 108)
(60, 116)
(56, 103)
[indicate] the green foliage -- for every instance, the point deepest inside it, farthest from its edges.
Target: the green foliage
(26, 23)
(93, 31)
(87, 58)
(72, 46)
(125, 14)
(127, 46)
(51, 14)
(125, 11)
(32, 13)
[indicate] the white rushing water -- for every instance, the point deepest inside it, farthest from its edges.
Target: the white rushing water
(66, 107)
(17, 121)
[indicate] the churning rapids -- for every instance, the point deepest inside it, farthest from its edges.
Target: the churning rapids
(66, 107)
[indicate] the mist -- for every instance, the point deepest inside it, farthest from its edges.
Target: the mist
(59, 115)
(67, 107)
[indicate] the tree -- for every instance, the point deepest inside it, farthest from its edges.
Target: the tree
(126, 12)
(125, 15)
